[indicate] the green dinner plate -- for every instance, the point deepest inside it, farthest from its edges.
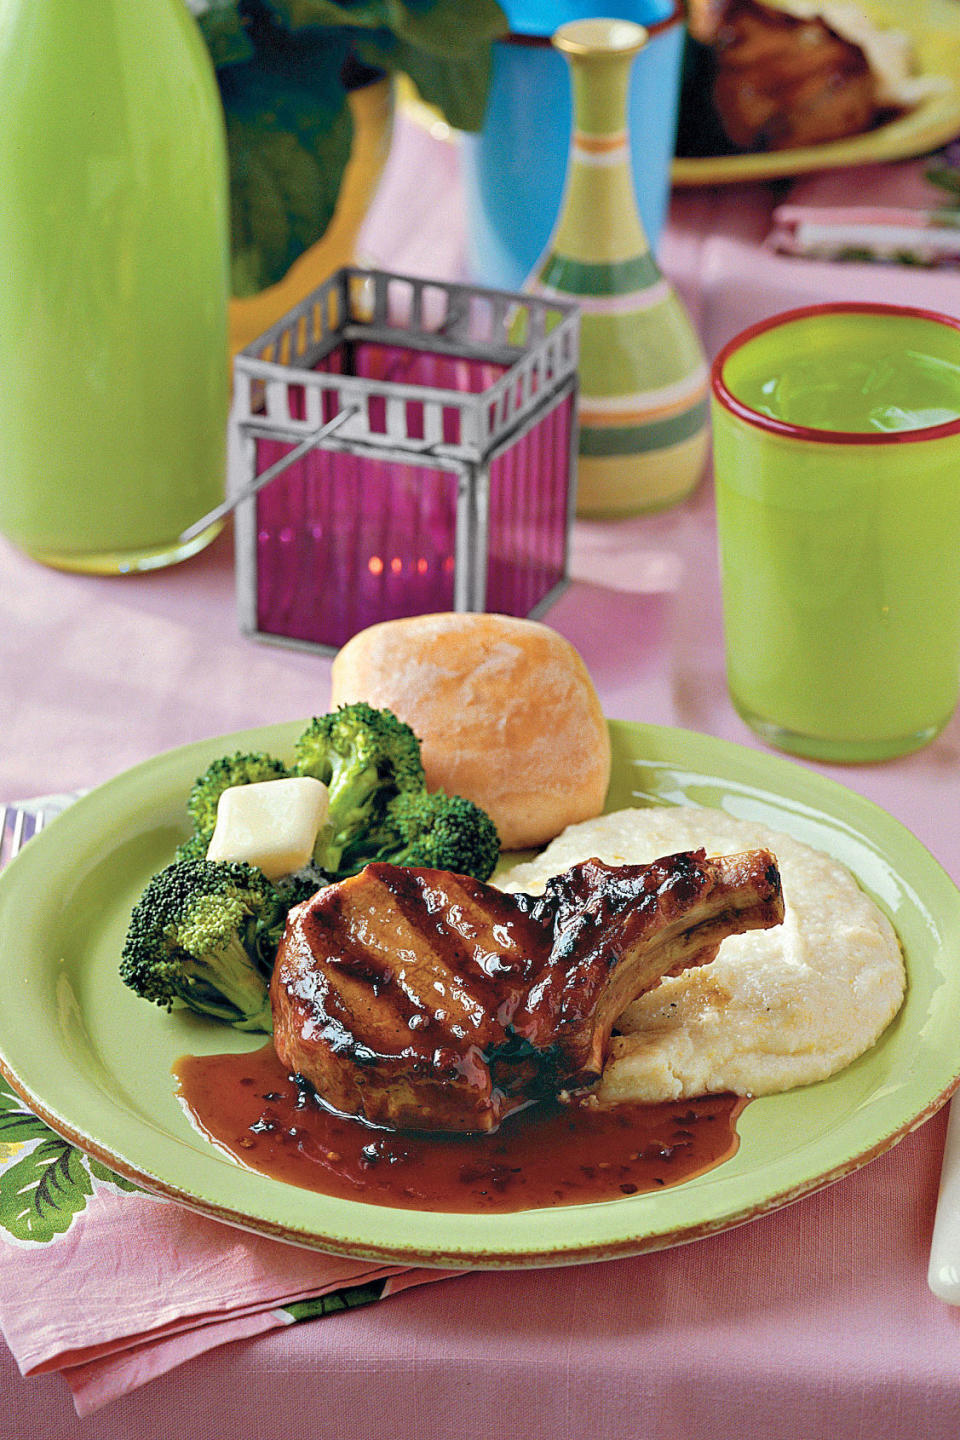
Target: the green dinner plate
(95, 1062)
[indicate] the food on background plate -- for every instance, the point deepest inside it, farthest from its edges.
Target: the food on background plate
(505, 711)
(776, 1009)
(768, 75)
(421, 1000)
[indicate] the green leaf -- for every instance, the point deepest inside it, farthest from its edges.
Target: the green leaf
(41, 1194)
(457, 87)
(289, 133)
(440, 27)
(941, 172)
(223, 29)
(17, 1124)
(301, 14)
(350, 1298)
(42, 1191)
(448, 27)
(280, 66)
(99, 1171)
(17, 1127)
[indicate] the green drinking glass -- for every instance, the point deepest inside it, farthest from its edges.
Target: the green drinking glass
(836, 433)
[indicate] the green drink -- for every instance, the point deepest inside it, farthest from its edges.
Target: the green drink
(837, 459)
(113, 303)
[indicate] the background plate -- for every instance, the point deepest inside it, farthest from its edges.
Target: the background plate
(94, 1061)
(935, 28)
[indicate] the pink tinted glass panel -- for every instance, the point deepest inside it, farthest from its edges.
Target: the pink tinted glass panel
(529, 485)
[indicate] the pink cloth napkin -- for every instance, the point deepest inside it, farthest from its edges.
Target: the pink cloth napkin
(892, 213)
(112, 1286)
(862, 232)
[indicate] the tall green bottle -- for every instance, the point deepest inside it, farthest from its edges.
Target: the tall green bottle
(114, 379)
(643, 374)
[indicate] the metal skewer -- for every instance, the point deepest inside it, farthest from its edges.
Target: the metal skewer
(264, 478)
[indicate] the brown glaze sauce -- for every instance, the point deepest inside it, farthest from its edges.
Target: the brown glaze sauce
(550, 1154)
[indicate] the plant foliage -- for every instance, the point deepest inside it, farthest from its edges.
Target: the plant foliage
(284, 69)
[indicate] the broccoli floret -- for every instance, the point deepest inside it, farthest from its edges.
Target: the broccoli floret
(365, 757)
(204, 934)
(238, 769)
(299, 885)
(436, 830)
(196, 847)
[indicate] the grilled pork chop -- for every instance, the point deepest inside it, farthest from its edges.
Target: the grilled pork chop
(418, 999)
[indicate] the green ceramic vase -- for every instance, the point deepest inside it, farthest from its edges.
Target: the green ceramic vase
(644, 410)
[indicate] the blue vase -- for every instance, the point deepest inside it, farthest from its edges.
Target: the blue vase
(514, 169)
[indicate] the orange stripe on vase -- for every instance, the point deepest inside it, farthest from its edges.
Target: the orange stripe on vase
(599, 144)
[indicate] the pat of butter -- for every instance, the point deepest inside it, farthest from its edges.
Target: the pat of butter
(272, 824)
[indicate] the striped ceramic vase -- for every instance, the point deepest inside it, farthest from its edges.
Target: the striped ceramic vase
(643, 373)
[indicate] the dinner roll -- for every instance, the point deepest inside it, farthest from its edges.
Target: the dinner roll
(505, 711)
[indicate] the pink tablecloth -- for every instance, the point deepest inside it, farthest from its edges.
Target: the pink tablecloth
(812, 1322)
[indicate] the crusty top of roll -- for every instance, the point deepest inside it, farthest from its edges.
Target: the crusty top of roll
(505, 711)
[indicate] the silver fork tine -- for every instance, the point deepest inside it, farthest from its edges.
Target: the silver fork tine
(17, 838)
(17, 826)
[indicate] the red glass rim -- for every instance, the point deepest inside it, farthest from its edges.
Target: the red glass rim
(757, 418)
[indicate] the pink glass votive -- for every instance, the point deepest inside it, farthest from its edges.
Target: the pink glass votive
(352, 533)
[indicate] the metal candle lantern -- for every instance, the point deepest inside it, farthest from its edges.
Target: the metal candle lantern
(400, 446)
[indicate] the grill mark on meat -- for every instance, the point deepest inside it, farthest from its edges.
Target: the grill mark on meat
(392, 943)
(361, 975)
(459, 918)
(488, 954)
(600, 915)
(332, 1014)
(457, 977)
(424, 992)
(392, 962)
